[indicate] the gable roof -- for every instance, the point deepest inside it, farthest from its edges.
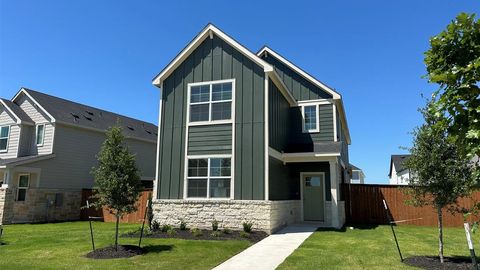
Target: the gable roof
(16, 111)
(208, 31)
(398, 162)
(75, 114)
(354, 168)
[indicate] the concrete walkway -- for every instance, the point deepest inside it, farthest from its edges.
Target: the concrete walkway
(271, 251)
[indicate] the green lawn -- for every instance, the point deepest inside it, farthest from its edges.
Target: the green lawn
(373, 248)
(63, 246)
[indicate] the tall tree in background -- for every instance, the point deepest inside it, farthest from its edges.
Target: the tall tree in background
(440, 175)
(453, 62)
(117, 180)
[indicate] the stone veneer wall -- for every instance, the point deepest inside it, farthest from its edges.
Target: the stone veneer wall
(6, 205)
(39, 206)
(265, 215)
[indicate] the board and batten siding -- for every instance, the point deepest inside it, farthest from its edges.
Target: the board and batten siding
(75, 150)
(213, 60)
(211, 139)
(303, 142)
(278, 118)
(299, 87)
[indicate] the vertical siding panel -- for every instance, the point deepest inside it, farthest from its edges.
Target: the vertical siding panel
(177, 132)
(237, 73)
(258, 163)
(226, 61)
(167, 139)
(207, 60)
(247, 132)
(217, 59)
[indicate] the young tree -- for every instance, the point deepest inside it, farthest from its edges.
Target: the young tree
(117, 180)
(453, 62)
(439, 174)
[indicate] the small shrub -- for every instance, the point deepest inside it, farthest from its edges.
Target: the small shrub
(183, 225)
(215, 225)
(155, 226)
(244, 234)
(196, 232)
(227, 230)
(166, 228)
(216, 234)
(171, 232)
(247, 227)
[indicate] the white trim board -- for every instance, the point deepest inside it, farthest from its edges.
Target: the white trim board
(208, 31)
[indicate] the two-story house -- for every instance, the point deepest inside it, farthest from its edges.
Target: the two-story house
(47, 151)
(398, 174)
(247, 137)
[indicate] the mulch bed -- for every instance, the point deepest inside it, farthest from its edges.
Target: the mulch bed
(254, 236)
(433, 262)
(124, 251)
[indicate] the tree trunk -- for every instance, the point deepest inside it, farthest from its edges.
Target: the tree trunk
(116, 232)
(440, 233)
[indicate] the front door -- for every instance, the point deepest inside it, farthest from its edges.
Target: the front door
(313, 196)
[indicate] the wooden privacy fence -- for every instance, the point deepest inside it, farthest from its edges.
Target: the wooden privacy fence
(135, 217)
(363, 205)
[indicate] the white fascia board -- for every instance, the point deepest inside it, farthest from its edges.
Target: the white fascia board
(307, 76)
(208, 31)
(282, 87)
(22, 90)
(18, 120)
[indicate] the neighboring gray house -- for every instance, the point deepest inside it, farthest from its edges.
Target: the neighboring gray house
(247, 137)
(398, 174)
(358, 177)
(47, 150)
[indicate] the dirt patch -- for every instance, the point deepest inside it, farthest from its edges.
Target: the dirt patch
(205, 235)
(124, 251)
(433, 263)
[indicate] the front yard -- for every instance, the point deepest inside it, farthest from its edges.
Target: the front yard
(63, 246)
(374, 248)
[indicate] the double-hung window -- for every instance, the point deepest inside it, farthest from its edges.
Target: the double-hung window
(4, 133)
(310, 117)
(209, 177)
(40, 134)
(211, 102)
(23, 182)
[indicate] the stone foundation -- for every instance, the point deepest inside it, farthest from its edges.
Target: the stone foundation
(40, 205)
(267, 216)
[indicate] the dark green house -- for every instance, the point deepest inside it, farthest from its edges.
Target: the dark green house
(247, 137)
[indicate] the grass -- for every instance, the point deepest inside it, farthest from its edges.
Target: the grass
(374, 248)
(64, 245)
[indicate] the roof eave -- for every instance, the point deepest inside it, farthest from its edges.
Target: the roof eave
(207, 32)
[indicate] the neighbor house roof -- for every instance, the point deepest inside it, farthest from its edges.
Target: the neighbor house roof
(75, 114)
(398, 162)
(23, 160)
(17, 112)
(354, 168)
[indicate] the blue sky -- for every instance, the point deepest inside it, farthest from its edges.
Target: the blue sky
(105, 53)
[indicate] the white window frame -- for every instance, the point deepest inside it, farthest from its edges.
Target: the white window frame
(8, 138)
(43, 135)
(22, 188)
(317, 108)
(208, 157)
(210, 102)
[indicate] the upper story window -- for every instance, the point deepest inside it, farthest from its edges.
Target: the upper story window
(209, 177)
(40, 134)
(310, 117)
(210, 102)
(4, 134)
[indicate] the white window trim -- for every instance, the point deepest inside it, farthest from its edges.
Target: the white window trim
(208, 157)
(43, 135)
(8, 138)
(25, 188)
(211, 122)
(317, 108)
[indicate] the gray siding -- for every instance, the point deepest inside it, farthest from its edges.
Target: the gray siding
(303, 142)
(300, 88)
(75, 151)
(214, 139)
(14, 136)
(214, 60)
(278, 118)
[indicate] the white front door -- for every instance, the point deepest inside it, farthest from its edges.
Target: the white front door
(313, 196)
